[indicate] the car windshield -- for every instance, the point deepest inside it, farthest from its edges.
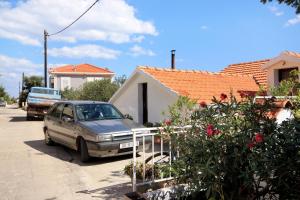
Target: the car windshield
(92, 112)
(44, 91)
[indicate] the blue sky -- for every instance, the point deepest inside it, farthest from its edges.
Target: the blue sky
(122, 34)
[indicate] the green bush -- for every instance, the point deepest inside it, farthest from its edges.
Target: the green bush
(99, 90)
(234, 150)
(288, 87)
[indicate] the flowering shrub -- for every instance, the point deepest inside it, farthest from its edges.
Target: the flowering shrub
(235, 151)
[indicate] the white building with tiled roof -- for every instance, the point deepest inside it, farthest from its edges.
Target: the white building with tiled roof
(150, 91)
(74, 76)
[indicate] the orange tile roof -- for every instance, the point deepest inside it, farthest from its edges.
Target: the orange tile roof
(80, 69)
(250, 68)
(199, 85)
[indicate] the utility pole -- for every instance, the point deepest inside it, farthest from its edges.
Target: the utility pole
(23, 87)
(45, 57)
(48, 35)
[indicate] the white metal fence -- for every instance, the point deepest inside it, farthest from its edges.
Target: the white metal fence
(146, 136)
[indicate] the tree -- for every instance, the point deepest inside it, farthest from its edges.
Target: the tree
(99, 90)
(32, 81)
(71, 94)
(293, 3)
(120, 80)
(29, 82)
(5, 96)
(2, 91)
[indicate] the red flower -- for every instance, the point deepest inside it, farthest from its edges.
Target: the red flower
(168, 122)
(210, 130)
(251, 145)
(223, 96)
(259, 138)
(203, 104)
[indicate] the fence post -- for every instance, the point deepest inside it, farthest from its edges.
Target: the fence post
(134, 163)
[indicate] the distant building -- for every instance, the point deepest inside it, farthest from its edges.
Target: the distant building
(269, 72)
(74, 76)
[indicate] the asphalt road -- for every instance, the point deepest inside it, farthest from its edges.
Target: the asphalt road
(31, 170)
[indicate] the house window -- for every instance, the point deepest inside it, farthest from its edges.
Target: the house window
(284, 74)
(51, 81)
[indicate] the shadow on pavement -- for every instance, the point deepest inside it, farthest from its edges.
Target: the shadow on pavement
(110, 192)
(18, 119)
(69, 155)
(23, 119)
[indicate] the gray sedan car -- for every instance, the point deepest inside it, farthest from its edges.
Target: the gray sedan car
(94, 129)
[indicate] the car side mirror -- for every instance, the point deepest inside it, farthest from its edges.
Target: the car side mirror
(67, 119)
(127, 116)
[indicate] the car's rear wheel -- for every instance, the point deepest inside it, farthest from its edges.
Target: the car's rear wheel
(48, 140)
(84, 154)
(29, 118)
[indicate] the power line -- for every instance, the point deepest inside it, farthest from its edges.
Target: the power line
(74, 20)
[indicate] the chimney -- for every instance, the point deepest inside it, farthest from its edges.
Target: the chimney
(173, 59)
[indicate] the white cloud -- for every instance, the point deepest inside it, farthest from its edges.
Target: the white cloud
(275, 10)
(81, 51)
(4, 4)
(293, 21)
(137, 50)
(11, 75)
(16, 64)
(11, 72)
(203, 27)
(108, 20)
(138, 38)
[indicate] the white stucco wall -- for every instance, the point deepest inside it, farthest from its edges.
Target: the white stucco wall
(272, 71)
(76, 81)
(159, 98)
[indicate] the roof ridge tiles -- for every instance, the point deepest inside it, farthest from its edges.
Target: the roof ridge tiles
(196, 71)
(250, 62)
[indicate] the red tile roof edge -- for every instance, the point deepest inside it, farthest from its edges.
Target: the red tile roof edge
(53, 69)
(195, 71)
(249, 62)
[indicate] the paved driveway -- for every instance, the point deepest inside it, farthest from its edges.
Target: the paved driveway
(31, 170)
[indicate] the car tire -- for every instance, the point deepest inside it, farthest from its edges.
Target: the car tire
(48, 140)
(84, 154)
(29, 118)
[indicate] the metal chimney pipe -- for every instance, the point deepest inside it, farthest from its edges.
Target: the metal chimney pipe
(173, 59)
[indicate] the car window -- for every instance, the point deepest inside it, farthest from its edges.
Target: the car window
(90, 112)
(56, 111)
(68, 111)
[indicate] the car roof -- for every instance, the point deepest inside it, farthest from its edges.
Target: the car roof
(80, 102)
(45, 88)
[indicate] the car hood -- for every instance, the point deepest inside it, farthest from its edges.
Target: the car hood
(108, 126)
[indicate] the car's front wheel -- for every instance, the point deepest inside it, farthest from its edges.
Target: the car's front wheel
(84, 154)
(48, 140)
